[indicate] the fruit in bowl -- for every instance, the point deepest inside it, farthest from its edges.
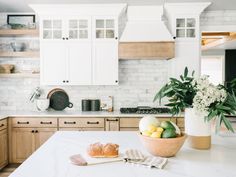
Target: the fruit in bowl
(163, 139)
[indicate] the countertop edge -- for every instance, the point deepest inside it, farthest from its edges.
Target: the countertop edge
(65, 114)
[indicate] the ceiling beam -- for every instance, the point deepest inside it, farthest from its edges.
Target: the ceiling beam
(228, 36)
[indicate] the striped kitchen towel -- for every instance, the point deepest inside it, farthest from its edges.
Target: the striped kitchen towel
(134, 156)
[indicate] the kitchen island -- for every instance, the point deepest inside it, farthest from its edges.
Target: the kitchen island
(52, 158)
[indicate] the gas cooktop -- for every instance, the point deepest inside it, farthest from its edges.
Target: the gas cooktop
(145, 110)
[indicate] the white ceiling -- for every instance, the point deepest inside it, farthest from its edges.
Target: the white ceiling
(22, 5)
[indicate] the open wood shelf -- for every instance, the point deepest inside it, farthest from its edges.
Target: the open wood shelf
(19, 32)
(26, 54)
(19, 75)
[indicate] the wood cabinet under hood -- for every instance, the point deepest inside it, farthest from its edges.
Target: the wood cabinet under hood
(147, 50)
(145, 35)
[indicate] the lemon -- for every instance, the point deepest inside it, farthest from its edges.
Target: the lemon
(156, 135)
(152, 128)
(146, 133)
(159, 129)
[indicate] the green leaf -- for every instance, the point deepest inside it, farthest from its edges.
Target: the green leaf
(227, 123)
(185, 72)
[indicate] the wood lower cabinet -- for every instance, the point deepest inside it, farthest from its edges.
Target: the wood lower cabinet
(129, 124)
(23, 144)
(26, 140)
(132, 124)
(42, 135)
(112, 124)
(81, 124)
(28, 134)
(3, 144)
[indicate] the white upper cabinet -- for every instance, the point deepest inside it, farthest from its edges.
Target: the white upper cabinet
(80, 45)
(65, 49)
(105, 51)
(53, 61)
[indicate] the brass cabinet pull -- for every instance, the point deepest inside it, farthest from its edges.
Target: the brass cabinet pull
(69, 122)
(2, 125)
(45, 122)
(22, 122)
(92, 122)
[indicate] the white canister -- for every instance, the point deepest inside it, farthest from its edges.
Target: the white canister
(42, 104)
(197, 129)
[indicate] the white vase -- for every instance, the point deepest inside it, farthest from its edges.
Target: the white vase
(198, 131)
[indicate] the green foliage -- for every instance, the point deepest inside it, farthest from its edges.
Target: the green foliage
(221, 109)
(180, 92)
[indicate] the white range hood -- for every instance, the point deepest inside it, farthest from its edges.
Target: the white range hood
(145, 35)
(145, 25)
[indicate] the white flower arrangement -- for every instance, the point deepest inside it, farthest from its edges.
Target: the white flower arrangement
(207, 94)
(213, 102)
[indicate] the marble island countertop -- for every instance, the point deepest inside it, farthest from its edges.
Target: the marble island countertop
(56, 114)
(52, 159)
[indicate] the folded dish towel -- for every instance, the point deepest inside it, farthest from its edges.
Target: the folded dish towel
(134, 156)
(131, 156)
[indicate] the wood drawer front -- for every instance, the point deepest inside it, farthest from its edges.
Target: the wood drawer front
(3, 124)
(167, 119)
(180, 122)
(81, 129)
(81, 122)
(68, 122)
(129, 122)
(91, 122)
(34, 122)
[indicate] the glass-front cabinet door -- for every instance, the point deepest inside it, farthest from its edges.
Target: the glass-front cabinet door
(186, 27)
(79, 28)
(105, 28)
(66, 28)
(52, 28)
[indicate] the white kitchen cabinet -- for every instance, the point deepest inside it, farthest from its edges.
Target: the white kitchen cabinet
(79, 65)
(66, 51)
(53, 62)
(105, 51)
(89, 35)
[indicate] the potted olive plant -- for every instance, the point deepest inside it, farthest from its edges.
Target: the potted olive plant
(202, 102)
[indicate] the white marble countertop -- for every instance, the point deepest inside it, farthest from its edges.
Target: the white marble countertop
(56, 114)
(52, 158)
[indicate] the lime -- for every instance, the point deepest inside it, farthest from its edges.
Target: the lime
(169, 133)
(167, 125)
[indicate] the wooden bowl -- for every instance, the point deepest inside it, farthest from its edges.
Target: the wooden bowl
(163, 147)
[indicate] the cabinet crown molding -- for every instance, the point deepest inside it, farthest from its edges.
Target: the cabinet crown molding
(79, 9)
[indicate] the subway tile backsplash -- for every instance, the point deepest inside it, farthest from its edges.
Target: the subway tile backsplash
(138, 82)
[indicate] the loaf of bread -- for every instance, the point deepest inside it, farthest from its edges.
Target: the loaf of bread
(106, 150)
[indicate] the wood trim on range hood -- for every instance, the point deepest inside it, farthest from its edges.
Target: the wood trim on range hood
(147, 50)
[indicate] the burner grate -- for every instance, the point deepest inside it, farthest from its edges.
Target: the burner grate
(145, 110)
